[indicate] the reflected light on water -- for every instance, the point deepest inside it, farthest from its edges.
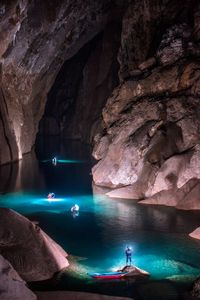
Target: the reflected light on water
(158, 235)
(63, 161)
(53, 199)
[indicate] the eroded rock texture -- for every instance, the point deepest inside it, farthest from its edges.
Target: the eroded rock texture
(32, 253)
(35, 39)
(149, 144)
(12, 287)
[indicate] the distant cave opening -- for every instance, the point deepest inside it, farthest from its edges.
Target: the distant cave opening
(84, 83)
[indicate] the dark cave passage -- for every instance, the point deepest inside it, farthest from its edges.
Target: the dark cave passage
(82, 87)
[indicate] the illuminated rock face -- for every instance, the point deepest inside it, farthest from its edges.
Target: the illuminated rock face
(35, 39)
(32, 253)
(149, 143)
(11, 285)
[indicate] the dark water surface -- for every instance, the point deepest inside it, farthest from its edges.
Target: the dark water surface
(98, 235)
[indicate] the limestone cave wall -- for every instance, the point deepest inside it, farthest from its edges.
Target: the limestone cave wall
(149, 144)
(84, 83)
(36, 38)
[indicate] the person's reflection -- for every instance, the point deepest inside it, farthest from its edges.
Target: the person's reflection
(75, 214)
(54, 161)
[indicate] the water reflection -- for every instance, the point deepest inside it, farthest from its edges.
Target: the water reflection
(22, 175)
(154, 218)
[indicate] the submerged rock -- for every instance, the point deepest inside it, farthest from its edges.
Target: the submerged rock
(33, 254)
(12, 287)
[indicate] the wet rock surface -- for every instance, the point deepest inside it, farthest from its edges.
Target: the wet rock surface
(32, 253)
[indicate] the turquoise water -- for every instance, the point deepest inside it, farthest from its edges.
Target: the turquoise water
(98, 236)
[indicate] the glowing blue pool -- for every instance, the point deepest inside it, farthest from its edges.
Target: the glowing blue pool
(103, 228)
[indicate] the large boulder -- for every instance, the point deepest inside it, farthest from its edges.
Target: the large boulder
(33, 254)
(12, 287)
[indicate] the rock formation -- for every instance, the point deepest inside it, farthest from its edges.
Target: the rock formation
(84, 83)
(32, 253)
(12, 287)
(149, 144)
(36, 39)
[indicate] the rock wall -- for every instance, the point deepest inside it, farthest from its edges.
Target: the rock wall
(36, 38)
(149, 143)
(82, 87)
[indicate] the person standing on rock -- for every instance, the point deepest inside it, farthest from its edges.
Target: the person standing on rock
(128, 253)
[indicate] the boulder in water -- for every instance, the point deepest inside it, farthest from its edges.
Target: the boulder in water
(12, 287)
(33, 254)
